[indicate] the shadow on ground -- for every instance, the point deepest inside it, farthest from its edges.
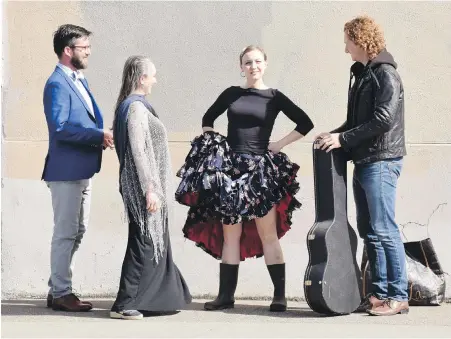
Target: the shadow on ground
(102, 307)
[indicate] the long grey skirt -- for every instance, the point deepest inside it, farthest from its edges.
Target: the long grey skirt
(146, 285)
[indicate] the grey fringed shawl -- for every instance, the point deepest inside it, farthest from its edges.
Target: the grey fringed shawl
(143, 152)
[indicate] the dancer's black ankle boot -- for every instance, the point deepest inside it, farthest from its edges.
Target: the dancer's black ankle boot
(228, 279)
(277, 273)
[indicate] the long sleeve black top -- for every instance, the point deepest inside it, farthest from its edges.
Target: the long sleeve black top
(251, 114)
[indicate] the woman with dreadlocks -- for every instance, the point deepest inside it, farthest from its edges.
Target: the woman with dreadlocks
(150, 281)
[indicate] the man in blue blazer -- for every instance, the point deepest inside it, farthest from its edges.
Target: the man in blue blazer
(76, 143)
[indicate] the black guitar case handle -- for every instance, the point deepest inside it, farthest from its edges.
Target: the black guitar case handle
(332, 279)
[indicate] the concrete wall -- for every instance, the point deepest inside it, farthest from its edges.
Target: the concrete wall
(195, 47)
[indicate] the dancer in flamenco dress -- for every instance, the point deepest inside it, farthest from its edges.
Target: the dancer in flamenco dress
(241, 188)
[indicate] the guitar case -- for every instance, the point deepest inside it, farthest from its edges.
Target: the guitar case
(332, 279)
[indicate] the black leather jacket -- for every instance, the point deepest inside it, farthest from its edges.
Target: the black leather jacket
(374, 128)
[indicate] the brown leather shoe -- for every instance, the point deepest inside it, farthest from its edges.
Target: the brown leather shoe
(70, 303)
(391, 307)
(50, 301)
(368, 303)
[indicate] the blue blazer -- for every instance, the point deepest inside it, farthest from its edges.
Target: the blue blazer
(75, 134)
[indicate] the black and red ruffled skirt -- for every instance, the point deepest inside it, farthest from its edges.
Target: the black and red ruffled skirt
(224, 187)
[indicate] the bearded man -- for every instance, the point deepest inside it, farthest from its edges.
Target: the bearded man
(76, 142)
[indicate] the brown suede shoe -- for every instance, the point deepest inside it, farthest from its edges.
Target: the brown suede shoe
(70, 303)
(50, 301)
(391, 307)
(368, 303)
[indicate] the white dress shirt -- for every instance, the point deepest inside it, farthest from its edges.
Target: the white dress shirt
(75, 77)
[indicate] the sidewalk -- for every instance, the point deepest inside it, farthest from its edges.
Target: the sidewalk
(249, 319)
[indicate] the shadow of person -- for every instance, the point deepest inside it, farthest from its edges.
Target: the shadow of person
(101, 309)
(263, 310)
(38, 307)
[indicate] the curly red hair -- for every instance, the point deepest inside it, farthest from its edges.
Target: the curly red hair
(367, 34)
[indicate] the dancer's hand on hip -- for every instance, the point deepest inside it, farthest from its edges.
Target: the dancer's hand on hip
(274, 147)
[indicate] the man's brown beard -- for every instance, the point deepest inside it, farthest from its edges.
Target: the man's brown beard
(76, 62)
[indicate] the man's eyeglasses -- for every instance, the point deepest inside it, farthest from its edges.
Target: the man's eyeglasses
(83, 48)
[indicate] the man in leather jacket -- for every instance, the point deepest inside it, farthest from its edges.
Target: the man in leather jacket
(373, 138)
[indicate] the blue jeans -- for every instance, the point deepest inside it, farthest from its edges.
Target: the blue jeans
(374, 187)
